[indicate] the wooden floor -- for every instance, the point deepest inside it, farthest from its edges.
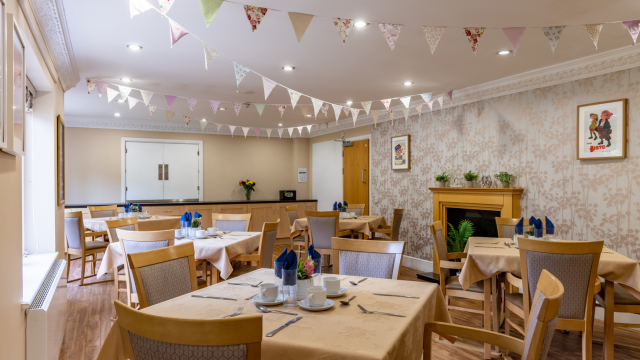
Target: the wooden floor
(90, 307)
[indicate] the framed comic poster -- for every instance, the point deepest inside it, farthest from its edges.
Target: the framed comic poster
(60, 176)
(602, 130)
(401, 152)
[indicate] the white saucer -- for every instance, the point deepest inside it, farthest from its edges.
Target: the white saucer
(340, 292)
(202, 237)
(305, 305)
(258, 300)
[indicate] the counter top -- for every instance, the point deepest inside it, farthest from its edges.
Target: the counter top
(177, 203)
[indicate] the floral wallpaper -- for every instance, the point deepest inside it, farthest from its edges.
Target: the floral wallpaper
(531, 134)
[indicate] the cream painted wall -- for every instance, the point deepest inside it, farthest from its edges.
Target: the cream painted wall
(93, 164)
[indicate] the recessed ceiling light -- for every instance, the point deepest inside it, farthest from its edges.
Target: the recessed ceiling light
(504, 52)
(134, 47)
(407, 83)
(361, 23)
(223, 108)
(288, 68)
(116, 114)
(126, 80)
(204, 120)
(308, 115)
(349, 102)
(121, 100)
(279, 124)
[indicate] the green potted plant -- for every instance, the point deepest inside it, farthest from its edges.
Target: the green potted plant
(457, 239)
(505, 178)
(442, 179)
(470, 177)
(305, 274)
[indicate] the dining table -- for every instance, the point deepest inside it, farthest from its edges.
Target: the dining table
(363, 224)
(217, 250)
(341, 332)
(153, 223)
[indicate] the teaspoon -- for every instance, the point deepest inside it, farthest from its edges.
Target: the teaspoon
(343, 302)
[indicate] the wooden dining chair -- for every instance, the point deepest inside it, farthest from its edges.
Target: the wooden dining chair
(231, 222)
(507, 227)
(145, 336)
(323, 226)
(451, 287)
(76, 244)
(393, 230)
(119, 275)
(263, 257)
(374, 259)
(575, 264)
(614, 298)
(103, 211)
(547, 301)
(298, 238)
(358, 209)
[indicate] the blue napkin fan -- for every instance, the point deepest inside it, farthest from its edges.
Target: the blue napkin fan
(196, 215)
(139, 207)
(289, 278)
(550, 227)
(337, 206)
(520, 227)
(279, 263)
(185, 220)
(316, 257)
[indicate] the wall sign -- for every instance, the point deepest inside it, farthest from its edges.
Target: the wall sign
(302, 174)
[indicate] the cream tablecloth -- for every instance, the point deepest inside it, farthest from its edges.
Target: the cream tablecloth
(217, 251)
(343, 332)
(154, 223)
(364, 224)
(484, 262)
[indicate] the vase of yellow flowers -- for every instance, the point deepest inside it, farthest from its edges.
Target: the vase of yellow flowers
(249, 186)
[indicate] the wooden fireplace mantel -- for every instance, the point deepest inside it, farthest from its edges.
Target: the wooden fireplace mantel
(507, 201)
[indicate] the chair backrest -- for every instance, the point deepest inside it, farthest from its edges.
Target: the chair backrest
(164, 273)
(395, 224)
(507, 227)
(74, 230)
(356, 208)
(292, 211)
(440, 240)
(323, 225)
(267, 244)
(574, 263)
(103, 211)
(130, 224)
(148, 337)
(231, 222)
(137, 241)
(376, 259)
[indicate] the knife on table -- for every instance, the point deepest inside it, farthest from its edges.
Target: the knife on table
(283, 326)
(404, 296)
(213, 297)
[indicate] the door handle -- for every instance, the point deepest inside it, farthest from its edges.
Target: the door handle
(363, 170)
(159, 171)
(166, 171)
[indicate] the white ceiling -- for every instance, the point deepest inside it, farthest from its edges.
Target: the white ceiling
(362, 69)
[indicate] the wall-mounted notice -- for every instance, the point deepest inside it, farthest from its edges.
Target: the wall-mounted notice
(302, 174)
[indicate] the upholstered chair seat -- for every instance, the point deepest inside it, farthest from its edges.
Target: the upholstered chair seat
(453, 283)
(92, 245)
(620, 296)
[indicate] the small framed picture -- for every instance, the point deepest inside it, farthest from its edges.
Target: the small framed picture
(401, 152)
(602, 130)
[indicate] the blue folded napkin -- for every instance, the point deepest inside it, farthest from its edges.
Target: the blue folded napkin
(316, 257)
(532, 221)
(335, 206)
(189, 217)
(339, 206)
(537, 224)
(289, 278)
(550, 228)
(126, 208)
(520, 227)
(197, 215)
(279, 263)
(345, 204)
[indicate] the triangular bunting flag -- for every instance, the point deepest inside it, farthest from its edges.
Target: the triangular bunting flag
(317, 105)
(309, 128)
(430, 103)
(390, 33)
(280, 132)
(281, 108)
(553, 33)
(345, 109)
(594, 32)
(450, 95)
(386, 103)
(137, 7)
(232, 128)
(406, 101)
(426, 97)
(300, 23)
(295, 96)
(375, 114)
(300, 130)
(257, 131)
(304, 109)
(170, 99)
(152, 109)
(237, 107)
(269, 133)
(366, 105)
(634, 28)
(354, 113)
(132, 102)
(146, 96)
(473, 36)
(268, 85)
(327, 124)
(241, 71)
(441, 100)
(419, 109)
(170, 115)
(344, 27)
(187, 119)
(165, 5)
(290, 132)
(101, 87)
(514, 35)
(192, 102)
(209, 9)
(203, 124)
(91, 84)
(406, 114)
(433, 35)
(124, 91)
(214, 106)
(111, 94)
(259, 107)
(255, 15)
(176, 31)
(336, 109)
(210, 54)
(245, 130)
(325, 109)
(218, 127)
(391, 114)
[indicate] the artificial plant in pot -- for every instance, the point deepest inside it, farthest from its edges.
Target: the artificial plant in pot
(457, 239)
(305, 274)
(505, 178)
(470, 177)
(442, 179)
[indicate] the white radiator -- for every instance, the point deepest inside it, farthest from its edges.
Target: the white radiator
(47, 316)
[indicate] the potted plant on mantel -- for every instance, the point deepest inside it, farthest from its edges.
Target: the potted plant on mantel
(442, 179)
(505, 178)
(470, 177)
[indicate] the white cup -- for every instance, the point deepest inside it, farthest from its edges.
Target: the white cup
(212, 231)
(179, 233)
(332, 284)
(201, 233)
(268, 292)
(316, 296)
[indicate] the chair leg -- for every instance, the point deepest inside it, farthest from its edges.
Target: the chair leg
(84, 264)
(507, 326)
(94, 257)
(607, 341)
(68, 265)
(487, 315)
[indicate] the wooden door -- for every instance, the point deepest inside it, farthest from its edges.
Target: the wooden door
(181, 171)
(144, 171)
(260, 214)
(355, 165)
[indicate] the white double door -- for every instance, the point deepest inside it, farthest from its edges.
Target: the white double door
(160, 171)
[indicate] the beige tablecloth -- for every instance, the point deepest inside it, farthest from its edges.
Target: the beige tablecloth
(154, 223)
(342, 332)
(217, 251)
(364, 224)
(484, 262)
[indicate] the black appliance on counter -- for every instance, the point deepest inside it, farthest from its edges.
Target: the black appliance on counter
(287, 195)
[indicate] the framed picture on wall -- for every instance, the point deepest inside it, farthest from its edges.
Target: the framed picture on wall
(401, 152)
(60, 175)
(15, 89)
(602, 130)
